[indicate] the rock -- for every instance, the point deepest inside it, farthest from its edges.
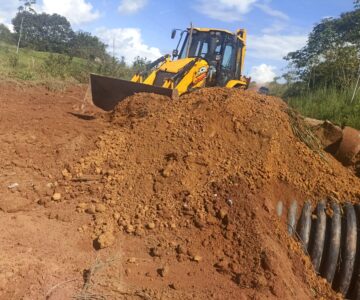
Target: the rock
(222, 266)
(99, 207)
(66, 174)
(163, 271)
(81, 207)
(197, 258)
(180, 249)
(50, 185)
(150, 225)
(56, 197)
(129, 228)
(211, 220)
(154, 252)
(91, 209)
(105, 240)
(131, 260)
(139, 231)
(13, 186)
(198, 223)
(82, 228)
(222, 213)
(116, 216)
(173, 286)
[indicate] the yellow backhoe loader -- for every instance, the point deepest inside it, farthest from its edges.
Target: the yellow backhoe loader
(204, 57)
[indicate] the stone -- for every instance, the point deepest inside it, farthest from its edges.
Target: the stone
(66, 174)
(150, 225)
(105, 240)
(91, 209)
(56, 197)
(180, 249)
(222, 213)
(163, 271)
(154, 252)
(129, 228)
(99, 207)
(197, 258)
(131, 260)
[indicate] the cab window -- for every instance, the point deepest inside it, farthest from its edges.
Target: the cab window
(228, 57)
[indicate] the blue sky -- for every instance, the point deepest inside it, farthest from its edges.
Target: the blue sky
(142, 27)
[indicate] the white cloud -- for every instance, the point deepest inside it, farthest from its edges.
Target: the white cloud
(274, 47)
(224, 10)
(76, 11)
(272, 12)
(10, 26)
(128, 43)
(263, 73)
(131, 6)
(234, 10)
(275, 27)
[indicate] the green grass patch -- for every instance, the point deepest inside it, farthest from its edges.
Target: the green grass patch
(42, 66)
(329, 104)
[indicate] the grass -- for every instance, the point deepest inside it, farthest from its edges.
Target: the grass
(329, 104)
(55, 69)
(41, 66)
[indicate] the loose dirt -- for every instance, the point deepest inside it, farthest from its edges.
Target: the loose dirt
(158, 200)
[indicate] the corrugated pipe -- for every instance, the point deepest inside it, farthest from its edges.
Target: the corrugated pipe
(329, 235)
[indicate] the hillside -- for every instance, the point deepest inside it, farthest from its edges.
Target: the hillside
(40, 66)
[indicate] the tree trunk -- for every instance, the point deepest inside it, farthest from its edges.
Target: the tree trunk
(21, 26)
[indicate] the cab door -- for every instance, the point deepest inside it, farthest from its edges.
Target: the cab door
(228, 62)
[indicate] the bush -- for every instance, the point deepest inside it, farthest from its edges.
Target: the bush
(13, 60)
(57, 65)
(329, 104)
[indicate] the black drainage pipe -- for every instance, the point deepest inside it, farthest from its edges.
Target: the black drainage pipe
(332, 242)
(333, 245)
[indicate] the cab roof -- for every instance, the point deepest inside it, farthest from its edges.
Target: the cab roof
(213, 29)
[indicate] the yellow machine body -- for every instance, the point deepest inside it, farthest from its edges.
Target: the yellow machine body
(208, 57)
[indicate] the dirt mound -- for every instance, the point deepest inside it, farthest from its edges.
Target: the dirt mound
(194, 183)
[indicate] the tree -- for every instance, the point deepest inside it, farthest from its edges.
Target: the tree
(87, 46)
(330, 55)
(26, 7)
(44, 32)
(5, 34)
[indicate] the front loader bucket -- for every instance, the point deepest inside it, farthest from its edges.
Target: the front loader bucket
(108, 91)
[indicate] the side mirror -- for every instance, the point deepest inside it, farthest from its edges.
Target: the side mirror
(173, 33)
(175, 53)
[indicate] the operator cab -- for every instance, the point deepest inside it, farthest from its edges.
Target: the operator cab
(222, 50)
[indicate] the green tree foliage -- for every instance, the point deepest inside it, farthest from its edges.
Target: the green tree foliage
(27, 5)
(5, 35)
(322, 75)
(43, 32)
(330, 57)
(87, 46)
(53, 33)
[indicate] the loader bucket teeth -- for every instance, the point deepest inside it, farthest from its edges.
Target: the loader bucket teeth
(107, 92)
